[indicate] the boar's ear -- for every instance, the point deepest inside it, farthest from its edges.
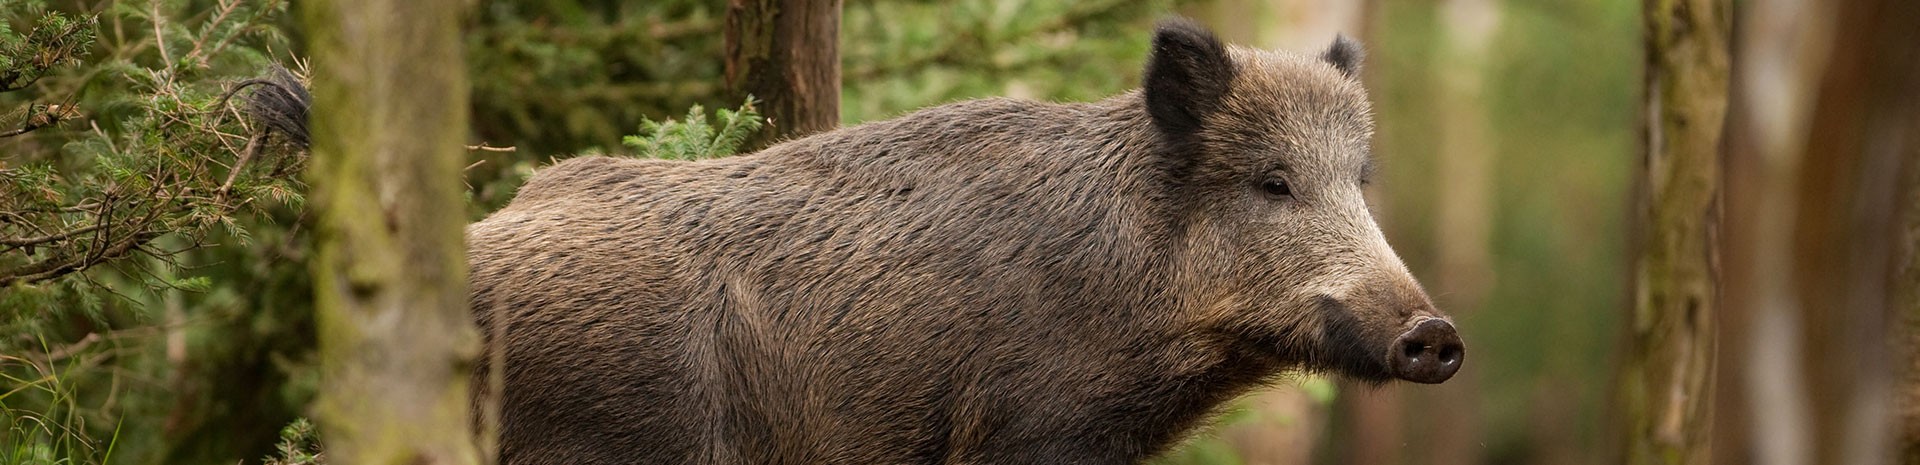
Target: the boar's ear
(1345, 55)
(1187, 75)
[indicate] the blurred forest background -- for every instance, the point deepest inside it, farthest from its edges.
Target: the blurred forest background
(156, 305)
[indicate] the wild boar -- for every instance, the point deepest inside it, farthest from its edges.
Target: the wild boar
(986, 282)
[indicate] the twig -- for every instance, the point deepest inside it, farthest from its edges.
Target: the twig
(52, 115)
(253, 146)
(484, 148)
(226, 7)
(68, 350)
(26, 241)
(159, 39)
(252, 21)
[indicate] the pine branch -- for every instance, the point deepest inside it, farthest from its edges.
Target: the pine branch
(48, 116)
(177, 193)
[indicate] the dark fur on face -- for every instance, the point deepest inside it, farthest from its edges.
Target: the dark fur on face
(1187, 75)
(991, 281)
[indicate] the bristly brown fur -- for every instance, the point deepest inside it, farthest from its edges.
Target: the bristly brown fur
(986, 282)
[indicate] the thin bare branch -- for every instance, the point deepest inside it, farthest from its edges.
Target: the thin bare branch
(159, 38)
(483, 147)
(226, 8)
(37, 240)
(48, 116)
(253, 146)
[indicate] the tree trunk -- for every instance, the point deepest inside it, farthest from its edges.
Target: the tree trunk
(1445, 420)
(1667, 372)
(1759, 401)
(1824, 223)
(1907, 301)
(396, 339)
(1907, 311)
(786, 54)
(1863, 136)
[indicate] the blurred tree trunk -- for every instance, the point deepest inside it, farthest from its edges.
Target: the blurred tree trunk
(1667, 371)
(1865, 133)
(1907, 311)
(1446, 419)
(396, 339)
(1907, 308)
(786, 54)
(1442, 423)
(1759, 399)
(1823, 210)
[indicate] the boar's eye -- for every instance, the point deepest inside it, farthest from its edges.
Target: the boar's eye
(1276, 188)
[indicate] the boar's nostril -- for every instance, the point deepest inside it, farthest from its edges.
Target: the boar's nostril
(1429, 353)
(1449, 354)
(1414, 349)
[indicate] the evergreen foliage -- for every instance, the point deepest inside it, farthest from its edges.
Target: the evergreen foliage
(299, 445)
(126, 163)
(600, 67)
(697, 136)
(54, 40)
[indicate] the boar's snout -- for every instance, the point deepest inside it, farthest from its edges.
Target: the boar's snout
(1429, 353)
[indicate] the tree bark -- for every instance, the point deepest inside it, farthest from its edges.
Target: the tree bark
(786, 54)
(1667, 372)
(396, 339)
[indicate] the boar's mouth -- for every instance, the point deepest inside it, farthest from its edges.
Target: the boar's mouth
(1346, 349)
(1422, 349)
(1338, 345)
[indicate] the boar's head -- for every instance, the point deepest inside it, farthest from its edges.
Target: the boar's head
(1268, 153)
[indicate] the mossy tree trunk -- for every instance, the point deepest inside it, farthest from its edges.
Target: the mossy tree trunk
(396, 340)
(786, 53)
(1668, 366)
